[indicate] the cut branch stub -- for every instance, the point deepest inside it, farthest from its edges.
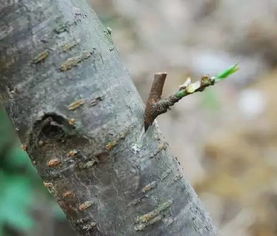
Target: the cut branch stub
(154, 97)
(157, 87)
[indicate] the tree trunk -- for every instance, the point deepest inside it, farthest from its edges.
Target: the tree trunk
(80, 118)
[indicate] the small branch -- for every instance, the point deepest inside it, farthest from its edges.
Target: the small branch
(156, 106)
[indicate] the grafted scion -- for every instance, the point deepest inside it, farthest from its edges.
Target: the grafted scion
(156, 106)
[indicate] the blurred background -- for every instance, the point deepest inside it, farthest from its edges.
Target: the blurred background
(225, 137)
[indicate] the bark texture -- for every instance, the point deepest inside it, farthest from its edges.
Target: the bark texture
(81, 119)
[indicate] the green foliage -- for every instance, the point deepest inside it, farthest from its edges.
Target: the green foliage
(16, 190)
(6, 135)
(18, 159)
(225, 74)
(19, 183)
(15, 199)
(16, 175)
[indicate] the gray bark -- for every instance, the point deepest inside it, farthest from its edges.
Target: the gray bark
(107, 174)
